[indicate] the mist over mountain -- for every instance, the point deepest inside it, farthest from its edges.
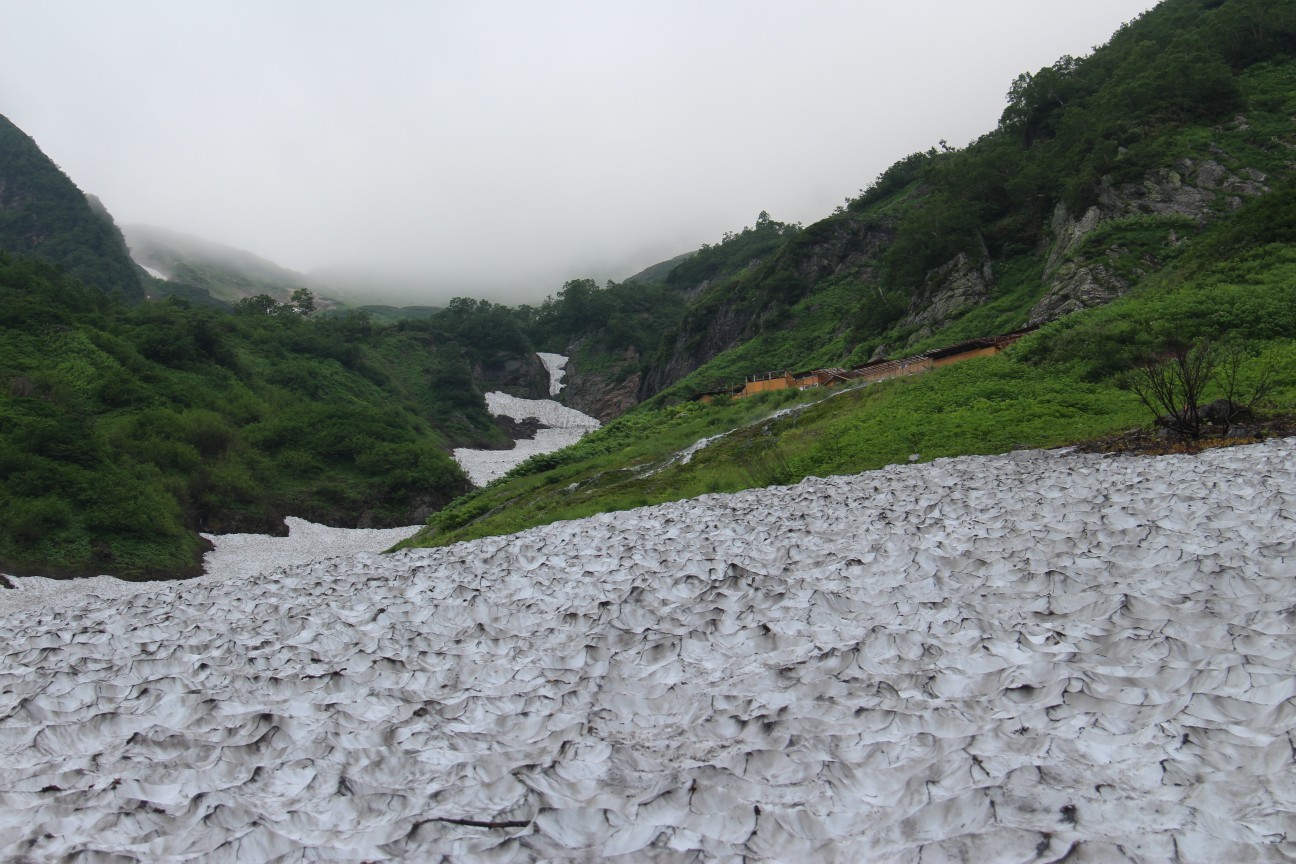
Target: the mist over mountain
(1145, 166)
(497, 150)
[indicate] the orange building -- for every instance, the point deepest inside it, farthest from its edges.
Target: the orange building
(878, 370)
(821, 377)
(768, 381)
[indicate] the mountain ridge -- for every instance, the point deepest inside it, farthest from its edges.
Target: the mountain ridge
(43, 213)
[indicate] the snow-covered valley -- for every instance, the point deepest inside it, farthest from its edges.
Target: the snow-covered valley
(1027, 657)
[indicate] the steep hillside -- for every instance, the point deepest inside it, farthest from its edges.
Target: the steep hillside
(1101, 171)
(43, 213)
(1133, 202)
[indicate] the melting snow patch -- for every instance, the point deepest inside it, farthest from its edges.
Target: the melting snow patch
(547, 411)
(566, 427)
(556, 366)
(1010, 658)
(233, 556)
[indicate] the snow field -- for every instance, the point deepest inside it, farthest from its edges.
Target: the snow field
(1011, 658)
(566, 427)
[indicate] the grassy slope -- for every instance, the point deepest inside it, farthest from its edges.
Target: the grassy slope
(1021, 399)
(1060, 385)
(1232, 277)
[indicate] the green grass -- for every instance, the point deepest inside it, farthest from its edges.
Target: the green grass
(1060, 385)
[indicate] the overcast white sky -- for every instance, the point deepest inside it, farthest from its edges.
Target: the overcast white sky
(499, 148)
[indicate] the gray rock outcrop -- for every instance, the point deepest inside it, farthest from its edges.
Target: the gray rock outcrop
(606, 393)
(952, 288)
(1193, 189)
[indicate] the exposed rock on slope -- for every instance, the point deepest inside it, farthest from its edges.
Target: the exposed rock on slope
(524, 376)
(699, 340)
(1191, 189)
(1074, 284)
(603, 393)
(950, 290)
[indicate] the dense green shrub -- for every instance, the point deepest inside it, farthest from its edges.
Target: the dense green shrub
(124, 430)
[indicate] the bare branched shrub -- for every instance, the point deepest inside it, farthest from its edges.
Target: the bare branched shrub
(1238, 401)
(1172, 389)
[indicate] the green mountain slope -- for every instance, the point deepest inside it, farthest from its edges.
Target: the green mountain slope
(1065, 383)
(1139, 198)
(1100, 170)
(43, 213)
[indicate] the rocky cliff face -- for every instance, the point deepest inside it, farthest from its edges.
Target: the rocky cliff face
(1190, 188)
(524, 376)
(606, 393)
(1198, 190)
(696, 342)
(949, 290)
(1074, 283)
(845, 246)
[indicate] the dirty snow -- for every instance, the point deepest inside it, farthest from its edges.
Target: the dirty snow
(1027, 657)
(240, 556)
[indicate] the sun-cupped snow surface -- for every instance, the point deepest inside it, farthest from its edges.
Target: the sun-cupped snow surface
(556, 366)
(566, 427)
(1029, 657)
(232, 556)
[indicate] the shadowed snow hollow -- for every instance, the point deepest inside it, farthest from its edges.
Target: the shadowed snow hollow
(1019, 658)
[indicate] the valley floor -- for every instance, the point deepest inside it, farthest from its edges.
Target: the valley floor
(1014, 658)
